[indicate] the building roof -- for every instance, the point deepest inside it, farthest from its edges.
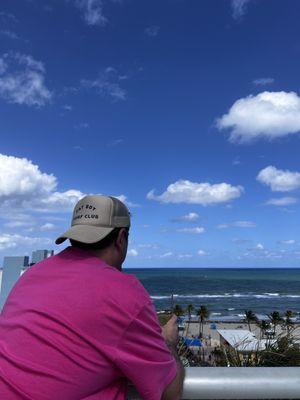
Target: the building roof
(240, 339)
(244, 340)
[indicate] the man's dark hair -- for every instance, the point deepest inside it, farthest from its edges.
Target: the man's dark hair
(102, 244)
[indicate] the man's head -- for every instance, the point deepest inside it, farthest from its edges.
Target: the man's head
(100, 224)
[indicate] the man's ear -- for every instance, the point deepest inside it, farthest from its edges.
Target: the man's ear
(122, 236)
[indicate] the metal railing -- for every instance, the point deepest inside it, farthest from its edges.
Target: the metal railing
(240, 383)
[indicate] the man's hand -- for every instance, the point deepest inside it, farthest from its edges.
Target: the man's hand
(170, 331)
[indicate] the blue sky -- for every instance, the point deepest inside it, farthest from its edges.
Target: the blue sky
(188, 110)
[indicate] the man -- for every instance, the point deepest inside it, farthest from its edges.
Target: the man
(74, 327)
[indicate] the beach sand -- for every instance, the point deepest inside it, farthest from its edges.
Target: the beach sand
(212, 338)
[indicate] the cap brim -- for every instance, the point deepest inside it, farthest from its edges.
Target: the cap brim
(85, 234)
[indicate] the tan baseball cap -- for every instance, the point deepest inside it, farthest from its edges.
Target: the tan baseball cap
(94, 217)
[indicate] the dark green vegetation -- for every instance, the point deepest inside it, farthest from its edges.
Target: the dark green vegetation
(283, 352)
(282, 346)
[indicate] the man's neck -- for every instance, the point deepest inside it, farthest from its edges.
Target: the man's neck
(107, 257)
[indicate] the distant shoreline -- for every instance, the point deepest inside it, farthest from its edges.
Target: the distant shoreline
(210, 268)
(225, 319)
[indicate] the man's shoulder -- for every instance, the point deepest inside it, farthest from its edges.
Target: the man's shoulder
(124, 288)
(122, 296)
(128, 288)
(88, 274)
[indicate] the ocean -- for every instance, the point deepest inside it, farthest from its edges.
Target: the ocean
(227, 293)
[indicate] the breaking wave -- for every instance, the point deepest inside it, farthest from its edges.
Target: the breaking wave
(228, 295)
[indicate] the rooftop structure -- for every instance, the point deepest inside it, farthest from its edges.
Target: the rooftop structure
(40, 255)
(242, 340)
(12, 267)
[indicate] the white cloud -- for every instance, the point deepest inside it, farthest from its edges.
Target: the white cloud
(82, 125)
(267, 115)
(259, 247)
(124, 200)
(132, 253)
(222, 226)
(58, 201)
(23, 185)
(16, 216)
(22, 80)
(115, 142)
(260, 252)
(184, 191)
(48, 226)
(3, 66)
(152, 30)
(282, 201)
(166, 255)
(107, 85)
(202, 253)
(240, 241)
(279, 180)
(197, 230)
(148, 246)
(18, 224)
(67, 107)
(54, 218)
(8, 17)
(237, 224)
(273, 255)
(184, 256)
(244, 224)
(8, 241)
(92, 11)
(257, 251)
(9, 34)
(19, 176)
(239, 8)
(290, 241)
(192, 216)
(263, 81)
(236, 161)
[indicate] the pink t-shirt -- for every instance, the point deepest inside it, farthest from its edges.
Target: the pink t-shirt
(75, 328)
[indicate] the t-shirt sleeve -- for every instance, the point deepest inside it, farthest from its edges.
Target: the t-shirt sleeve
(143, 356)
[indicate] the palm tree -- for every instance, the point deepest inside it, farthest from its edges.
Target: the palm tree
(250, 317)
(275, 319)
(289, 314)
(178, 310)
(264, 326)
(203, 314)
(288, 321)
(189, 310)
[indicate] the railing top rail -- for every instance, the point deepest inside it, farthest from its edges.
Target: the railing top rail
(243, 383)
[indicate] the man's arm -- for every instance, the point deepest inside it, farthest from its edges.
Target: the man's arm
(144, 358)
(170, 333)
